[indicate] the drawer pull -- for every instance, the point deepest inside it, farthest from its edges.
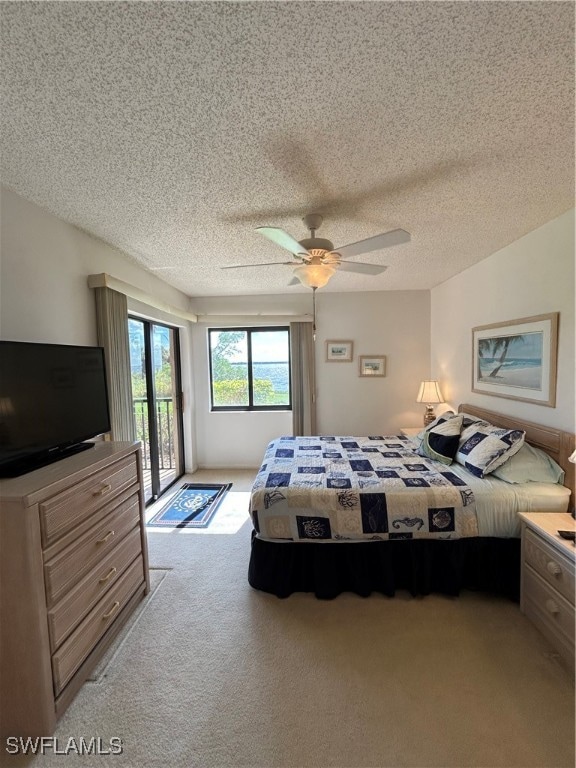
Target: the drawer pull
(108, 576)
(553, 568)
(111, 611)
(101, 491)
(105, 538)
(552, 607)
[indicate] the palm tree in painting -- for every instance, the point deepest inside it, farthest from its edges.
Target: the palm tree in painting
(496, 348)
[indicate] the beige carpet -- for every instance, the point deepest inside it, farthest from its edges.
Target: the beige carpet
(217, 675)
(156, 576)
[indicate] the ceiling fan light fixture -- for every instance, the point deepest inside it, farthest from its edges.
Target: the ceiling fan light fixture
(314, 275)
(323, 256)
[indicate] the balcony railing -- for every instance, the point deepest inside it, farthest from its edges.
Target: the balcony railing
(165, 422)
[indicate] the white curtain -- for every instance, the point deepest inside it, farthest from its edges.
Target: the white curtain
(112, 327)
(303, 379)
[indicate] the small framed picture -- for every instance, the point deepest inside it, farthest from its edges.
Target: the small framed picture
(339, 351)
(372, 365)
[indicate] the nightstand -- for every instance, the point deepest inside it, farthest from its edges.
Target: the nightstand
(547, 579)
(411, 431)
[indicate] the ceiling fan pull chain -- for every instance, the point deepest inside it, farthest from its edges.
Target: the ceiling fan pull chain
(313, 313)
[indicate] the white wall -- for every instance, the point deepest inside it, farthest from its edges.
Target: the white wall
(44, 295)
(284, 306)
(45, 263)
(393, 323)
(532, 276)
(390, 323)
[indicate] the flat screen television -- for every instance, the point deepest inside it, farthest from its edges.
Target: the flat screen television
(52, 398)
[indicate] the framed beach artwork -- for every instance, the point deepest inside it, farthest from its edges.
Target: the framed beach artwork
(372, 365)
(517, 359)
(339, 351)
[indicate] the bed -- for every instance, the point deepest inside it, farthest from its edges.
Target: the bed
(333, 514)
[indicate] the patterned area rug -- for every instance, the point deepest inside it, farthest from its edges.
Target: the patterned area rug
(192, 507)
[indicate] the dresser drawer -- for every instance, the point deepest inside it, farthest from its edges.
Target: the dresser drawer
(116, 504)
(65, 510)
(74, 562)
(546, 608)
(75, 605)
(74, 650)
(555, 569)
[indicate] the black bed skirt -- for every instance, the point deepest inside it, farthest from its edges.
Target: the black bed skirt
(421, 566)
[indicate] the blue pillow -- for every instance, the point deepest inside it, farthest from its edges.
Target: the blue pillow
(438, 420)
(440, 442)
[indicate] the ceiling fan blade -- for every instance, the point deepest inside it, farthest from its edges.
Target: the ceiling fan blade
(365, 269)
(294, 281)
(283, 239)
(385, 240)
(262, 264)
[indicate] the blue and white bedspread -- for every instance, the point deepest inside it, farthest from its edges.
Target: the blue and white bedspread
(357, 488)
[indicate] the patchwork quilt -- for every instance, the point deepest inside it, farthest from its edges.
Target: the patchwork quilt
(331, 488)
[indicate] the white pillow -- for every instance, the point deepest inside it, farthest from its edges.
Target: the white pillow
(530, 464)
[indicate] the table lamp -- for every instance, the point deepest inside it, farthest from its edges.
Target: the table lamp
(430, 394)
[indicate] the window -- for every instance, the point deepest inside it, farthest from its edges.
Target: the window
(157, 401)
(250, 369)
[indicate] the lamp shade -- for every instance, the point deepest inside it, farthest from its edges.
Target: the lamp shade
(572, 457)
(314, 275)
(429, 392)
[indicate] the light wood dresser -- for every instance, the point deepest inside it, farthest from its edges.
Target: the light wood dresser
(73, 567)
(547, 586)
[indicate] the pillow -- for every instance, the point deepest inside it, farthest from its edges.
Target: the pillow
(530, 464)
(438, 420)
(441, 441)
(468, 419)
(484, 447)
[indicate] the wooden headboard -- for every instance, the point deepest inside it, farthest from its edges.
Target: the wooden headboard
(556, 443)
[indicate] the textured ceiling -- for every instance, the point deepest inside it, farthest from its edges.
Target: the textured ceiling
(173, 129)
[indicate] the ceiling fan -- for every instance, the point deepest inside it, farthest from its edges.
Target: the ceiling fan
(316, 259)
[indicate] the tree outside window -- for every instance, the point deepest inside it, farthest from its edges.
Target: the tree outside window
(250, 368)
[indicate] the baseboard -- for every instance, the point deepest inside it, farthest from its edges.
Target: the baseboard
(220, 467)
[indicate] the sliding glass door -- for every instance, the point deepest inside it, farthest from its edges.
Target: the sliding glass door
(157, 396)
